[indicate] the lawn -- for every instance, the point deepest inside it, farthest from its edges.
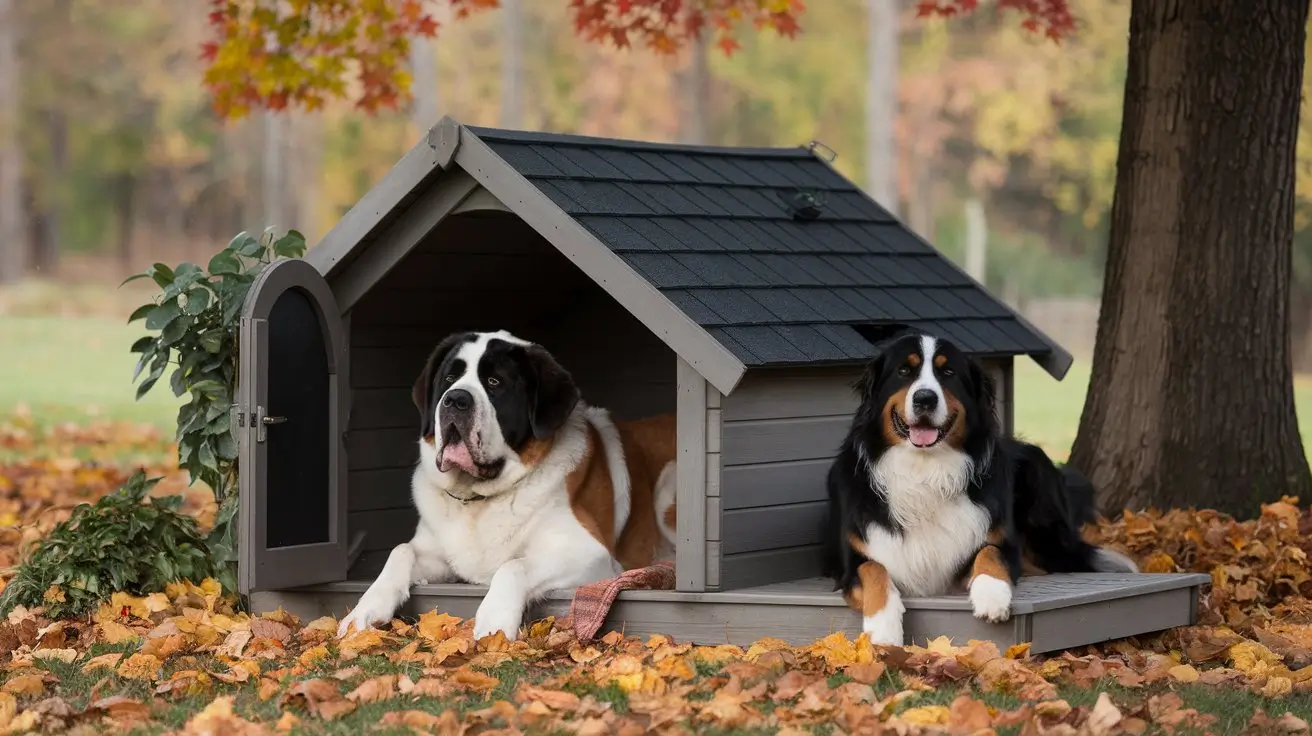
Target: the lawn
(77, 369)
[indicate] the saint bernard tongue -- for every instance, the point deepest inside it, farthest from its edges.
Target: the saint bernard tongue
(456, 455)
(923, 436)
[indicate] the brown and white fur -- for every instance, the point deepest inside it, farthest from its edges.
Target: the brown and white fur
(523, 487)
(928, 496)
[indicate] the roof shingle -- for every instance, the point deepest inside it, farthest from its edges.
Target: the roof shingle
(711, 228)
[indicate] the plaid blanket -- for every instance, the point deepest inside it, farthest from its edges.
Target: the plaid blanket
(593, 601)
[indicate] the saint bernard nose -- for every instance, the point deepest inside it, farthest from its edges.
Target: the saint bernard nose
(458, 399)
(924, 401)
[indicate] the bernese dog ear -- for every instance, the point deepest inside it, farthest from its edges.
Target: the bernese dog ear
(421, 393)
(865, 385)
(554, 394)
(982, 385)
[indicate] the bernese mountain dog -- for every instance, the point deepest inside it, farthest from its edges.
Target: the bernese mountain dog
(928, 496)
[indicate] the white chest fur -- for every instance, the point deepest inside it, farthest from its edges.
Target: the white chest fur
(941, 527)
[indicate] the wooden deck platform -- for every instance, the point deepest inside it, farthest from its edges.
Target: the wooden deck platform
(1051, 612)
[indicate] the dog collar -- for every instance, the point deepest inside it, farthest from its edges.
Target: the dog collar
(464, 500)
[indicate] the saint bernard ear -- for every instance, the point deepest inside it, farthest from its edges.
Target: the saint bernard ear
(554, 394)
(422, 393)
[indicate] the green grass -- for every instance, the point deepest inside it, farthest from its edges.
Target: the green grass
(77, 369)
(1048, 411)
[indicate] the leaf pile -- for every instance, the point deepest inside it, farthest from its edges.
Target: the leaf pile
(1261, 569)
(125, 541)
(185, 656)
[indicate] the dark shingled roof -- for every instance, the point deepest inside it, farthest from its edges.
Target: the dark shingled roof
(711, 229)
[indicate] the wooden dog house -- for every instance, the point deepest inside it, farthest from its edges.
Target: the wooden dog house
(741, 288)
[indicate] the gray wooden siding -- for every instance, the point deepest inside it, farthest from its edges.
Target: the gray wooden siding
(778, 432)
(712, 508)
(481, 271)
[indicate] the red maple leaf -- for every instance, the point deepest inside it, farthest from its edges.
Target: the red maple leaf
(427, 26)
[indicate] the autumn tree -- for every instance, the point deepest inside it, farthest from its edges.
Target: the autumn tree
(267, 53)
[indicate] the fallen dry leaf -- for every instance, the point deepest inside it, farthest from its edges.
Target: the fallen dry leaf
(122, 709)
(104, 661)
(25, 685)
(140, 667)
(1184, 673)
(373, 690)
(927, 715)
(320, 697)
(218, 719)
(446, 724)
(1104, 717)
(286, 722)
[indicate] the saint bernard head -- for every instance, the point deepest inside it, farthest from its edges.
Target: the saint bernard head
(485, 398)
(923, 392)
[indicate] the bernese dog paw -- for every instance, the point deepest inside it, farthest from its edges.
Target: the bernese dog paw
(884, 627)
(990, 598)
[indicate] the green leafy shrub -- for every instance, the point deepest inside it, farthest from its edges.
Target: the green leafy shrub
(124, 541)
(197, 317)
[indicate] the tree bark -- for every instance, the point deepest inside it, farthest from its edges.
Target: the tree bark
(1191, 400)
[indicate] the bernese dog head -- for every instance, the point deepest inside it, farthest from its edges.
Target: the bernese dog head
(487, 401)
(923, 392)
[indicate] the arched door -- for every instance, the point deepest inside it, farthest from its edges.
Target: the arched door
(291, 420)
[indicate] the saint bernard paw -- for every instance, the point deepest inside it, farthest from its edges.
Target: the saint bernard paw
(494, 616)
(367, 612)
(990, 598)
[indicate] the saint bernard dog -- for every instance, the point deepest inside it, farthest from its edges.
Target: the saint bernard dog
(523, 487)
(927, 496)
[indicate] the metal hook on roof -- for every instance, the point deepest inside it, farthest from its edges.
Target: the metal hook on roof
(827, 153)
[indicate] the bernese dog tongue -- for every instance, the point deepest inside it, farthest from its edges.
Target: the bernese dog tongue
(923, 436)
(456, 455)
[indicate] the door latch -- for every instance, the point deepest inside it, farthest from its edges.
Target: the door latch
(260, 421)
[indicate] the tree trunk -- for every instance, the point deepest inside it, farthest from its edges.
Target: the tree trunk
(13, 250)
(125, 197)
(881, 102)
(512, 65)
(696, 124)
(47, 238)
(423, 66)
(1191, 401)
(273, 171)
